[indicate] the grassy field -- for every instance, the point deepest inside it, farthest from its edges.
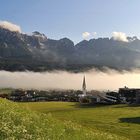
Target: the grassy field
(5, 90)
(17, 122)
(120, 120)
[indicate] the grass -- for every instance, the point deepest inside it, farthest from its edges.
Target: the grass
(120, 120)
(5, 90)
(18, 122)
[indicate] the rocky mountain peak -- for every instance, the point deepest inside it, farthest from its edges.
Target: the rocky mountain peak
(39, 35)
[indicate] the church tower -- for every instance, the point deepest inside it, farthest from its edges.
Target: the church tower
(84, 86)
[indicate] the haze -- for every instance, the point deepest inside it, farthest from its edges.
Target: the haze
(110, 80)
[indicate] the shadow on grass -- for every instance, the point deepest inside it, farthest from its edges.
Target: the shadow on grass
(135, 120)
(127, 105)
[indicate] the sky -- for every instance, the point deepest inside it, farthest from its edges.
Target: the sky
(74, 19)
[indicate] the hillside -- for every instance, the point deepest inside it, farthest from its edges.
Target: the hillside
(36, 52)
(21, 123)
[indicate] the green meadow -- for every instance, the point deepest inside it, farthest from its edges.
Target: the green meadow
(120, 120)
(68, 121)
(5, 90)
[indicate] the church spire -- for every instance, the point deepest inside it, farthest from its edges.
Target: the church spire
(84, 86)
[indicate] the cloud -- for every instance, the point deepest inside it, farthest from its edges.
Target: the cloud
(120, 36)
(94, 34)
(86, 35)
(10, 26)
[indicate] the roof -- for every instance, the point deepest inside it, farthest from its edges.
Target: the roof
(129, 88)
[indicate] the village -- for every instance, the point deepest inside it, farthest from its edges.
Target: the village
(124, 95)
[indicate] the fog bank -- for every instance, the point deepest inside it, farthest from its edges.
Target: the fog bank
(64, 80)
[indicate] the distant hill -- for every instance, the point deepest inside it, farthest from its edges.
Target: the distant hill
(36, 52)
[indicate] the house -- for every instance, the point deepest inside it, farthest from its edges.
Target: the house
(129, 95)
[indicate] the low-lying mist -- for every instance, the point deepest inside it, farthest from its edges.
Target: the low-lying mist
(110, 80)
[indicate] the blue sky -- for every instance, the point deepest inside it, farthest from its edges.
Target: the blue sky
(70, 18)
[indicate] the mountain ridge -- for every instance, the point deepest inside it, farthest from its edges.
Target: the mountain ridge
(36, 52)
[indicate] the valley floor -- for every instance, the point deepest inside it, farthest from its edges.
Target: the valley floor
(121, 120)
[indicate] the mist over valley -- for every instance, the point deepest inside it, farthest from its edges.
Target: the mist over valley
(96, 80)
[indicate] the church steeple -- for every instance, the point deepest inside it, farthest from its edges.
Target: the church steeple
(84, 86)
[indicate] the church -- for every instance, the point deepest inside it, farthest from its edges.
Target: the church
(86, 98)
(94, 98)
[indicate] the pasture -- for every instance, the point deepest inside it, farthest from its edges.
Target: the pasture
(21, 123)
(120, 120)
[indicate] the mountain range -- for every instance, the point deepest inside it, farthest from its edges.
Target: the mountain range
(36, 52)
